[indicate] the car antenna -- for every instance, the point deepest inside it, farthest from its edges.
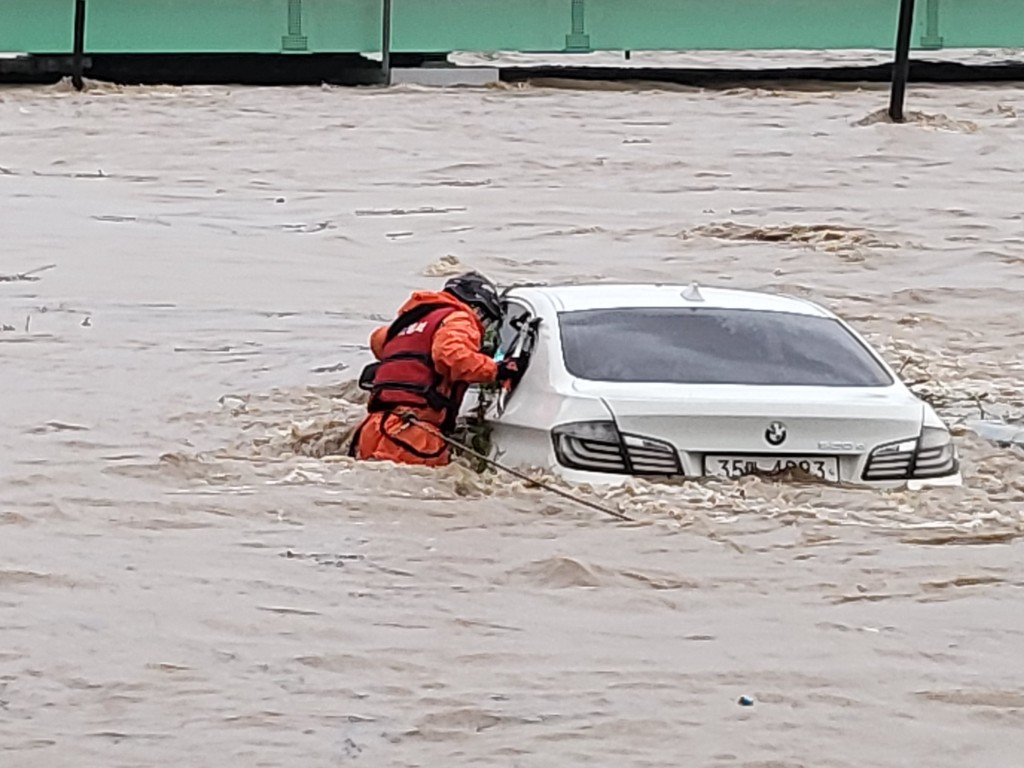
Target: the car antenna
(692, 292)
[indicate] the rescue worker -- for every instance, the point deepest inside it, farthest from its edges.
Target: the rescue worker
(428, 357)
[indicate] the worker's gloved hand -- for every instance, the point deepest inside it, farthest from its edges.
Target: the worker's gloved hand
(510, 370)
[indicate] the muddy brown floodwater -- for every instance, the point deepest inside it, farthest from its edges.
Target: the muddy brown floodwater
(186, 579)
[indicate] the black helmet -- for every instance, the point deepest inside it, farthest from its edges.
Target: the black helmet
(477, 291)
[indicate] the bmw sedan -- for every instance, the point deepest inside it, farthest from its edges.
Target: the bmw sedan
(689, 381)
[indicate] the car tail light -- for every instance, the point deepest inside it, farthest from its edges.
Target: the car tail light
(594, 446)
(651, 457)
(936, 456)
(598, 446)
(891, 462)
(931, 455)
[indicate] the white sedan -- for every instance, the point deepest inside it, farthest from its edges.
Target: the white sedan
(689, 381)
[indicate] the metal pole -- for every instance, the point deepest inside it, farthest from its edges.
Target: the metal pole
(78, 56)
(385, 43)
(901, 66)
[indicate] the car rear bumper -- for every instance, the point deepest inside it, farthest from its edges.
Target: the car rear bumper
(610, 481)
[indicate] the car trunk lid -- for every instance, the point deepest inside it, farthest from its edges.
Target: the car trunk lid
(765, 420)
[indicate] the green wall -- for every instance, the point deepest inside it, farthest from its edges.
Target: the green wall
(298, 26)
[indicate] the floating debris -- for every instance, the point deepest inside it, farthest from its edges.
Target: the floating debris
(321, 558)
(98, 174)
(29, 277)
(444, 267)
(831, 238)
(943, 381)
(309, 229)
(336, 368)
(999, 432)
(115, 219)
(57, 426)
(424, 210)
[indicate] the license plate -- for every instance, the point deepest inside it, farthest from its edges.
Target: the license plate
(822, 467)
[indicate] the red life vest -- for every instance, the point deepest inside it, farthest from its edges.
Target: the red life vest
(406, 374)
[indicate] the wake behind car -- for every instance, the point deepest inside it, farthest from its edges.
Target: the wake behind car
(689, 381)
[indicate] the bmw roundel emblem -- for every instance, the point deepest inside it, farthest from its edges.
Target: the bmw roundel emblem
(776, 433)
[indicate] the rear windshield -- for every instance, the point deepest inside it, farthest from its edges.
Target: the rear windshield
(715, 346)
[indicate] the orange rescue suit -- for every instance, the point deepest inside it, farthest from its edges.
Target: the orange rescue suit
(456, 359)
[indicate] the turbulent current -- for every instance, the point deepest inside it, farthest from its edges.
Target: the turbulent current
(191, 574)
